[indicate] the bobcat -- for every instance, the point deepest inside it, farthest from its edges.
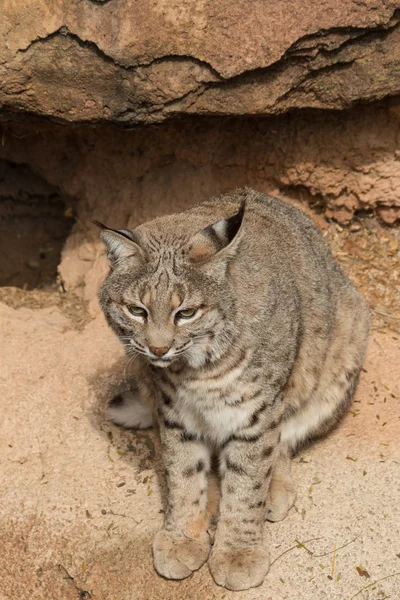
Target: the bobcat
(249, 341)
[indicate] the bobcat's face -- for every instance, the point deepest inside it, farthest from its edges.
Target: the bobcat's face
(164, 319)
(171, 298)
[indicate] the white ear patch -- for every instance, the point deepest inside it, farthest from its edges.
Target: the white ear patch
(220, 228)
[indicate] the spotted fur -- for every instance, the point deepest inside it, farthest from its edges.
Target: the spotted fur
(269, 360)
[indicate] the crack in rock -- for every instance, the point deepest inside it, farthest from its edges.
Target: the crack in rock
(82, 594)
(65, 32)
(350, 33)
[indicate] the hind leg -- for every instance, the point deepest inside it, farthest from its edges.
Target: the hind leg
(315, 419)
(323, 410)
(322, 413)
(282, 491)
(130, 410)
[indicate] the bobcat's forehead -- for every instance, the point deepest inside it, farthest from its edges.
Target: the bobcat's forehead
(162, 288)
(168, 279)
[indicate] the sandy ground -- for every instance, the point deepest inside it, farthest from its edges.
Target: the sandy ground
(80, 499)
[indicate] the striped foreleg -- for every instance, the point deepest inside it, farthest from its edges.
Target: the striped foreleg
(240, 559)
(183, 545)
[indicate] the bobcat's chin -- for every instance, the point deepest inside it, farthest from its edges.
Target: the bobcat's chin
(161, 362)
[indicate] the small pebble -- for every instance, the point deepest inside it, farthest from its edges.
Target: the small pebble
(33, 264)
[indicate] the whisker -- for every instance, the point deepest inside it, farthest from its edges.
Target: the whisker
(131, 359)
(180, 353)
(128, 347)
(139, 351)
(130, 341)
(200, 338)
(183, 350)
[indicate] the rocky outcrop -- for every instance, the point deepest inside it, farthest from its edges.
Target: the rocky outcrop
(141, 62)
(322, 79)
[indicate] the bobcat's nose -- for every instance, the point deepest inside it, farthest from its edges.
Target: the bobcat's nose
(159, 351)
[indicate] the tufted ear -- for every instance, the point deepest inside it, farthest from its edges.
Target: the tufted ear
(219, 240)
(120, 244)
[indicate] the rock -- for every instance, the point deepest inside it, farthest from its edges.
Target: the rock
(33, 264)
(141, 62)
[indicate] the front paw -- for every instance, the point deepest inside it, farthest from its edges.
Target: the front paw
(239, 569)
(176, 556)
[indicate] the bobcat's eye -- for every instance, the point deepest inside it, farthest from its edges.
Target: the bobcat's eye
(137, 311)
(186, 313)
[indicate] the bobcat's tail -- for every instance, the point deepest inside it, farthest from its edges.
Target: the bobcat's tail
(130, 411)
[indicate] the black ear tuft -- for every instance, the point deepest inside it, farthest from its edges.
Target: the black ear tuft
(128, 233)
(100, 225)
(120, 243)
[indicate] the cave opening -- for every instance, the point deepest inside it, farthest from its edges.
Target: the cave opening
(35, 221)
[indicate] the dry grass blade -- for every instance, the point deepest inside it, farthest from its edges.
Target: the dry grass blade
(335, 549)
(374, 583)
(333, 561)
(297, 546)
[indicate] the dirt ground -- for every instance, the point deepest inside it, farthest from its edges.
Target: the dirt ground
(80, 499)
